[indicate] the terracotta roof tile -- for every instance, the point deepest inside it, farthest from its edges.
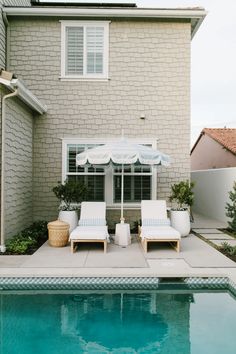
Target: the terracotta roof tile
(226, 137)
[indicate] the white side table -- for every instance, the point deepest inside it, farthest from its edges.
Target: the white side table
(122, 236)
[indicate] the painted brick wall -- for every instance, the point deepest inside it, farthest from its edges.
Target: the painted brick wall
(18, 167)
(149, 70)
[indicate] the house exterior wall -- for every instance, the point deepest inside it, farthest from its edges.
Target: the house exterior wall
(149, 71)
(3, 28)
(208, 154)
(2, 38)
(18, 167)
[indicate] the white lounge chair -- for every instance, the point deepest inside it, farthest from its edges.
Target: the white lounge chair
(92, 225)
(156, 225)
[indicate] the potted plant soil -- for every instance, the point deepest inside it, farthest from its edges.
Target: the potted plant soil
(70, 193)
(183, 195)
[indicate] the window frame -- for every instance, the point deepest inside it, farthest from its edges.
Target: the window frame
(109, 173)
(85, 76)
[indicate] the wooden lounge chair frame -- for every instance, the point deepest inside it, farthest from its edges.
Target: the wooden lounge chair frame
(175, 243)
(144, 242)
(74, 246)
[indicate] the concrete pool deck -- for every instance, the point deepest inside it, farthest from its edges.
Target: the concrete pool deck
(196, 259)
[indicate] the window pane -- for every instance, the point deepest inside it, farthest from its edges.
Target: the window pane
(142, 188)
(142, 169)
(96, 188)
(95, 185)
(71, 158)
(72, 151)
(118, 169)
(74, 50)
(136, 188)
(95, 47)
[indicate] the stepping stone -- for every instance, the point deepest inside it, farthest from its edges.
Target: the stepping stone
(208, 231)
(217, 237)
(219, 242)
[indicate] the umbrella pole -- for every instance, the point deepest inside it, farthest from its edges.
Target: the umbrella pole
(122, 195)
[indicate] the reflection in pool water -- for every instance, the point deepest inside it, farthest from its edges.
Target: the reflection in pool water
(154, 322)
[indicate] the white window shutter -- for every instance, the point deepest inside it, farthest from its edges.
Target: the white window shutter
(74, 50)
(94, 49)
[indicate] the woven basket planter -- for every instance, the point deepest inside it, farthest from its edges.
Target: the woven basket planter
(58, 233)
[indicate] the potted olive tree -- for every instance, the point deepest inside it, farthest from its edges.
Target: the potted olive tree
(183, 195)
(70, 193)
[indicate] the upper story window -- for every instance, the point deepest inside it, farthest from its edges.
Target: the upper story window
(84, 49)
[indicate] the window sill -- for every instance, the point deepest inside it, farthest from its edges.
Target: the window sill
(91, 79)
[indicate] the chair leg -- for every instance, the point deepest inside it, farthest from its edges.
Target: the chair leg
(139, 230)
(105, 246)
(145, 245)
(178, 246)
(72, 246)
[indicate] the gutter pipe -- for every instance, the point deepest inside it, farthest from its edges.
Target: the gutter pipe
(10, 95)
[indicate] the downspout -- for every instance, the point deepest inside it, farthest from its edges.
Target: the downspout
(10, 95)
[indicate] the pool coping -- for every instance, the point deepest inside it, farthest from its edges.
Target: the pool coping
(112, 283)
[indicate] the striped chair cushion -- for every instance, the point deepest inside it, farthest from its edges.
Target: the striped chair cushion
(156, 222)
(92, 222)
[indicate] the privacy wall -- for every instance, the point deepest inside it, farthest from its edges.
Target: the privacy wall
(212, 191)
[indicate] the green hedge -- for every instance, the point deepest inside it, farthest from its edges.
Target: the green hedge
(28, 240)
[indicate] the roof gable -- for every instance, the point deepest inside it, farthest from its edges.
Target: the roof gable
(224, 136)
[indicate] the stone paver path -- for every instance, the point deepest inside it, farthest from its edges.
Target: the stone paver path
(231, 242)
(217, 236)
(208, 231)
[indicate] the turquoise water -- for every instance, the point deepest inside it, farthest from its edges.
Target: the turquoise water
(154, 322)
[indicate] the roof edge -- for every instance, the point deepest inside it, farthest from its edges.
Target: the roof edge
(24, 94)
(197, 141)
(195, 15)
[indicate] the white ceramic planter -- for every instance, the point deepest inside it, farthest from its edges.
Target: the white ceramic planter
(180, 221)
(71, 217)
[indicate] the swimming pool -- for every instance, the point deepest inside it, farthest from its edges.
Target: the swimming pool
(172, 319)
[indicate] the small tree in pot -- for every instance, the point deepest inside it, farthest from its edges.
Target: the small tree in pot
(182, 194)
(68, 193)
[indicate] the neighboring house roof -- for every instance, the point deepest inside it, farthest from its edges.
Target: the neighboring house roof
(224, 136)
(193, 15)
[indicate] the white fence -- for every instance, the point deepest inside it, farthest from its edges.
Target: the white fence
(212, 191)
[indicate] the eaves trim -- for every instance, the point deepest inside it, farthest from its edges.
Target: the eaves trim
(196, 16)
(24, 95)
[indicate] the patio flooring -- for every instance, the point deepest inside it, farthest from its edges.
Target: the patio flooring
(196, 259)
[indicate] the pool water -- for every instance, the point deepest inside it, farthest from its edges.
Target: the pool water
(173, 322)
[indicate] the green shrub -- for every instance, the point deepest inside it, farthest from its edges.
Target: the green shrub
(231, 208)
(38, 230)
(20, 244)
(226, 248)
(182, 193)
(71, 191)
(29, 239)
